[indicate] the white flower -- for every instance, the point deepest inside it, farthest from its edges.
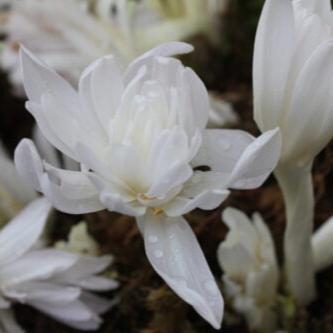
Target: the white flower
(292, 76)
(155, 22)
(139, 134)
(55, 282)
(65, 36)
(293, 89)
(251, 274)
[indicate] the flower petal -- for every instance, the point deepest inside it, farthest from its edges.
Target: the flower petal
(257, 161)
(175, 254)
(273, 51)
(307, 132)
(204, 190)
(19, 235)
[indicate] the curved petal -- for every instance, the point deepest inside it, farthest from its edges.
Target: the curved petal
(101, 88)
(39, 78)
(21, 234)
(273, 51)
(39, 264)
(221, 149)
(257, 161)
(176, 256)
(163, 50)
(17, 187)
(69, 191)
(308, 131)
(205, 190)
(115, 203)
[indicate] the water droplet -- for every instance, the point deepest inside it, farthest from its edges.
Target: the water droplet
(152, 239)
(210, 287)
(158, 254)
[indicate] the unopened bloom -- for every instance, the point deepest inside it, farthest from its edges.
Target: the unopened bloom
(55, 282)
(139, 134)
(292, 76)
(251, 274)
(292, 80)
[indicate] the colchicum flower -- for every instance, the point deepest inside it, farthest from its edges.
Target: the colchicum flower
(140, 137)
(292, 79)
(64, 35)
(251, 274)
(58, 283)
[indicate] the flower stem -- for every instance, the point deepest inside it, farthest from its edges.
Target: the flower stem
(297, 188)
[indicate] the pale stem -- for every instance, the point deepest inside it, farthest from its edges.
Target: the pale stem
(297, 188)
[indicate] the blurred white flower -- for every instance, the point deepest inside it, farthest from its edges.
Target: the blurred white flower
(293, 89)
(251, 275)
(64, 35)
(139, 134)
(79, 241)
(156, 21)
(55, 282)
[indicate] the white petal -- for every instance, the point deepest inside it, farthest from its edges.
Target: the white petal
(164, 50)
(28, 163)
(175, 254)
(40, 264)
(101, 88)
(17, 187)
(307, 132)
(19, 235)
(46, 150)
(273, 51)
(41, 291)
(69, 191)
(74, 311)
(116, 203)
(322, 241)
(221, 149)
(257, 161)
(204, 190)
(39, 79)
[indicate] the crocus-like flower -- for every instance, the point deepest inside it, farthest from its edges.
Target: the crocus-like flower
(251, 274)
(292, 79)
(154, 22)
(55, 282)
(140, 136)
(64, 35)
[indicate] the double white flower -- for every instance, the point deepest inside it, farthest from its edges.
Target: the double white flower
(55, 282)
(251, 273)
(140, 137)
(292, 79)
